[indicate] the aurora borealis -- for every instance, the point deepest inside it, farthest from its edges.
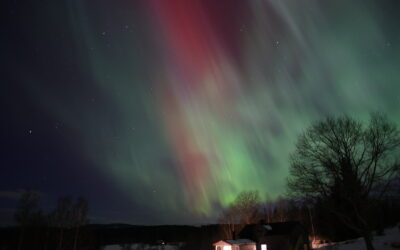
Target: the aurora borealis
(174, 107)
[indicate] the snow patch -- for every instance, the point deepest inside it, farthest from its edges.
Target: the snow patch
(389, 241)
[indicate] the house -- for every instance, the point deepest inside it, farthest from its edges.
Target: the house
(240, 244)
(271, 236)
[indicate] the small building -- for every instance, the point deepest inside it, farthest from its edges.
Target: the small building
(277, 236)
(240, 244)
(271, 236)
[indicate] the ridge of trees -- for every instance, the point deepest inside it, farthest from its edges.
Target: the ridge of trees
(67, 215)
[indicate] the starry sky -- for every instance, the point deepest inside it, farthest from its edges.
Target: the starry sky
(161, 112)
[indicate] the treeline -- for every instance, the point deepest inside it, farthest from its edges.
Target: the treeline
(126, 236)
(40, 230)
(66, 227)
(59, 229)
(192, 237)
(46, 238)
(321, 223)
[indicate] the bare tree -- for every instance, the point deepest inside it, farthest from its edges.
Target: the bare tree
(280, 211)
(268, 208)
(28, 213)
(228, 220)
(244, 210)
(79, 217)
(61, 217)
(341, 161)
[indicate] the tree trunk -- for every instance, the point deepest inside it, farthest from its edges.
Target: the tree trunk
(76, 237)
(61, 239)
(46, 239)
(368, 240)
(312, 224)
(21, 238)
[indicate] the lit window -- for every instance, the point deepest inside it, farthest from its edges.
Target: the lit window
(227, 248)
(263, 246)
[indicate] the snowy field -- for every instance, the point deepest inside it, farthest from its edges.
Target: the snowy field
(389, 241)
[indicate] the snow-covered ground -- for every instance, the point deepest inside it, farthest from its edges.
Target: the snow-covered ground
(384, 242)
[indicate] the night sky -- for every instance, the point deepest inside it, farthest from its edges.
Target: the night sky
(161, 112)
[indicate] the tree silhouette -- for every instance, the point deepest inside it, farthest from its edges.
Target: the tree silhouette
(28, 213)
(79, 217)
(345, 164)
(61, 217)
(244, 210)
(67, 215)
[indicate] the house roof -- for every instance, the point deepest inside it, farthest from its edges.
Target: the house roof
(234, 242)
(283, 227)
(279, 228)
